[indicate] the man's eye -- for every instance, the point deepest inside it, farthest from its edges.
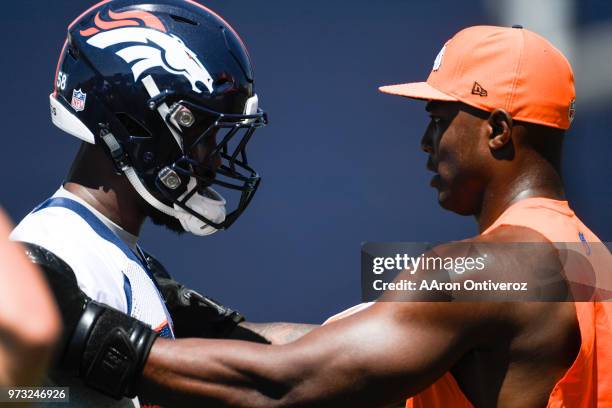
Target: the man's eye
(436, 120)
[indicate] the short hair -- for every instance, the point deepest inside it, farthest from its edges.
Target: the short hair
(546, 141)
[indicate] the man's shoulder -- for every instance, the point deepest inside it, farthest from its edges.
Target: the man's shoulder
(507, 250)
(516, 257)
(510, 234)
(50, 223)
(60, 231)
(480, 275)
(96, 263)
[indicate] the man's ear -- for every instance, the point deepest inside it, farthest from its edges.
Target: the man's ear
(500, 128)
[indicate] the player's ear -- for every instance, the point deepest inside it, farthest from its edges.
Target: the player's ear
(500, 128)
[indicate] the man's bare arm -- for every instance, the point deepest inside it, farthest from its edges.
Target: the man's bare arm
(375, 357)
(279, 333)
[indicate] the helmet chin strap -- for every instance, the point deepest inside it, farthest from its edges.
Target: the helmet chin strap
(162, 109)
(212, 209)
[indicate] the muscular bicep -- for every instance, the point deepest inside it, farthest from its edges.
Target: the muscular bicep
(274, 333)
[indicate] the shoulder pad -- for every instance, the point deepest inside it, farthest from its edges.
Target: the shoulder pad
(48, 261)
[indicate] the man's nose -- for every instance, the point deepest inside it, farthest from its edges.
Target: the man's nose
(426, 141)
(209, 160)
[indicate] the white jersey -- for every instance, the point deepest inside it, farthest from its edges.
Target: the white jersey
(106, 265)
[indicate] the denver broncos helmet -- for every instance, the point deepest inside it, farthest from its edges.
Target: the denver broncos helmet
(154, 82)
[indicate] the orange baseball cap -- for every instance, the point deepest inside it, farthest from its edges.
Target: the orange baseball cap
(490, 67)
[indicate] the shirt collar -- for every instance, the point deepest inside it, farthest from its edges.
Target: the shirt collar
(130, 239)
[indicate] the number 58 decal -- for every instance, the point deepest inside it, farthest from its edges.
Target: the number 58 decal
(60, 83)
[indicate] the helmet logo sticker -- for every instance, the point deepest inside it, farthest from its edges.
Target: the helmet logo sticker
(148, 45)
(78, 100)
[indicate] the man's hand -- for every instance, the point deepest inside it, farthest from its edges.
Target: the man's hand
(196, 315)
(193, 314)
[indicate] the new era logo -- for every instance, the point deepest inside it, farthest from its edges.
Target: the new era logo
(477, 89)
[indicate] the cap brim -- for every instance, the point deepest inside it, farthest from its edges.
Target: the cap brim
(417, 90)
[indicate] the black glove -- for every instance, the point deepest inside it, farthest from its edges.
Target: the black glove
(104, 347)
(193, 314)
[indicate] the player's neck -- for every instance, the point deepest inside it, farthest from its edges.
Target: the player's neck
(93, 179)
(538, 181)
(110, 204)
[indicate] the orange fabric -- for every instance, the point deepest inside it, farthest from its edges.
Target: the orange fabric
(491, 67)
(588, 382)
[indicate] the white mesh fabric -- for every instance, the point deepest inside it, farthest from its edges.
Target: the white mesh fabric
(147, 304)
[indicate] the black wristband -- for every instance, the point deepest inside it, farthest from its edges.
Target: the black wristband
(114, 351)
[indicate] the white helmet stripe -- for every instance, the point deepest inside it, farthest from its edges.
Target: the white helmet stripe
(162, 109)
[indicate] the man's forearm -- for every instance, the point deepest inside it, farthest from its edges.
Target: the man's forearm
(330, 367)
(279, 333)
(192, 372)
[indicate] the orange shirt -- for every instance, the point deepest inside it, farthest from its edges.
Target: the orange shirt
(588, 382)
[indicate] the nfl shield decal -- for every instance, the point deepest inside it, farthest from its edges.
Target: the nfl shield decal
(78, 100)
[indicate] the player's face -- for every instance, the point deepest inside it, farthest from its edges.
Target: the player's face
(453, 141)
(209, 163)
(201, 151)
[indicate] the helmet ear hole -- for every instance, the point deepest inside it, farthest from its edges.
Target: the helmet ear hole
(133, 127)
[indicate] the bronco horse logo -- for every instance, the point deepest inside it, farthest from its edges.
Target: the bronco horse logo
(148, 45)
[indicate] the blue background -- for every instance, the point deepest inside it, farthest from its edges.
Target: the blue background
(340, 162)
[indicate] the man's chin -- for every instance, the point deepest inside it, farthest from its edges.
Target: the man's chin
(443, 200)
(159, 218)
(450, 202)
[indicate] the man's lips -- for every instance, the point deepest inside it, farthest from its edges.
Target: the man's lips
(435, 180)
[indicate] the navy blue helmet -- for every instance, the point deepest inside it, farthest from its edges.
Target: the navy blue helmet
(166, 87)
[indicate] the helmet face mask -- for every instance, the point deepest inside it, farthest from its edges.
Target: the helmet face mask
(224, 166)
(167, 88)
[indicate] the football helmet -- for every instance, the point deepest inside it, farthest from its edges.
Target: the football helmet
(166, 87)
